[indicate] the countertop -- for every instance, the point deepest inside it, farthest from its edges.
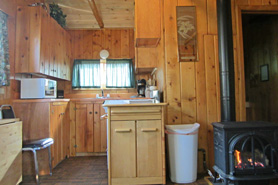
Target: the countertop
(39, 100)
(6, 121)
(135, 103)
(94, 100)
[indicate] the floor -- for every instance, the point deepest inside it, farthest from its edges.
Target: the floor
(88, 171)
(83, 171)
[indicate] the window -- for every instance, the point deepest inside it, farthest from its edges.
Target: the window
(110, 73)
(86, 74)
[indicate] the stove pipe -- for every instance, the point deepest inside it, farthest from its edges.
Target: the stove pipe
(226, 60)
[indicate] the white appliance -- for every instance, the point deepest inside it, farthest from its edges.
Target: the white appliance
(32, 88)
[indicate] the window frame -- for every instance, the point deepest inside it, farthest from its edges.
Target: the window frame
(103, 76)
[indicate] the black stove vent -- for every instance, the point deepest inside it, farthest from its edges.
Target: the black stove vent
(226, 60)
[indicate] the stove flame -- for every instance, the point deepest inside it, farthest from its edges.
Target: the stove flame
(247, 163)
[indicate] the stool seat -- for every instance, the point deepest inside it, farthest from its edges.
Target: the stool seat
(37, 144)
(34, 145)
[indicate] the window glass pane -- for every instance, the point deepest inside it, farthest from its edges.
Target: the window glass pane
(119, 73)
(86, 74)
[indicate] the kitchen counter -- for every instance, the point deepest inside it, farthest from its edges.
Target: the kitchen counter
(6, 121)
(98, 100)
(136, 143)
(133, 103)
(94, 100)
(39, 100)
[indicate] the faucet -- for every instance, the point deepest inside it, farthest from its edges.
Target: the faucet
(102, 92)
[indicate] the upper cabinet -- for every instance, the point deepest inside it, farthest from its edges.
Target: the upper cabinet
(147, 23)
(42, 45)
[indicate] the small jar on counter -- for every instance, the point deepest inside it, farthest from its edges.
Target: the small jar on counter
(147, 92)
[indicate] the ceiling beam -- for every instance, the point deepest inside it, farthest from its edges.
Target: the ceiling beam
(96, 13)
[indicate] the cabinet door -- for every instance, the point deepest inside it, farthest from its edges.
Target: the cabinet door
(45, 45)
(84, 127)
(66, 132)
(63, 144)
(55, 128)
(149, 159)
(103, 130)
(100, 131)
(123, 149)
(147, 22)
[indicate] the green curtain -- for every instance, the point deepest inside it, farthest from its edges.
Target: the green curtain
(119, 73)
(4, 51)
(86, 74)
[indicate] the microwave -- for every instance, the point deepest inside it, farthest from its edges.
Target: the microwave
(32, 88)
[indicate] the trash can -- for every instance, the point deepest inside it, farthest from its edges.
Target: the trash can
(182, 152)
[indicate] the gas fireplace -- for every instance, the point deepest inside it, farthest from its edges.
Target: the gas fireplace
(246, 151)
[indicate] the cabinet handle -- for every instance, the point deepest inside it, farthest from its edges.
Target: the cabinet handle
(96, 112)
(149, 129)
(134, 111)
(90, 112)
(105, 116)
(123, 130)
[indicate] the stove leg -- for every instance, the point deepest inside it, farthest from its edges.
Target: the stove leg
(215, 177)
(226, 182)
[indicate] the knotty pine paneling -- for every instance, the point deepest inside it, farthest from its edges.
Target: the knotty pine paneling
(186, 82)
(87, 44)
(193, 88)
(9, 7)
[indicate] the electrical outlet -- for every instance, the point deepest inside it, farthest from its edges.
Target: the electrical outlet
(2, 90)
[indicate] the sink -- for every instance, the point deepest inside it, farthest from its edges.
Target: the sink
(141, 101)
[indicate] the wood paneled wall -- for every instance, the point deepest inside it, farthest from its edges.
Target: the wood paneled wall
(193, 88)
(87, 44)
(8, 93)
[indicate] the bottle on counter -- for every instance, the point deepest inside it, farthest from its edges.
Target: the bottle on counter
(147, 92)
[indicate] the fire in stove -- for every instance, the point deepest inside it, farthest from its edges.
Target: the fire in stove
(244, 160)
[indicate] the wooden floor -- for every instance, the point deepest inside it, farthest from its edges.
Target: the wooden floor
(83, 171)
(87, 171)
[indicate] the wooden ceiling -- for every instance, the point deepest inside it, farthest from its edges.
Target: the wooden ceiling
(114, 13)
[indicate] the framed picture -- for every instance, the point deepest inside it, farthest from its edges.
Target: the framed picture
(264, 72)
(187, 33)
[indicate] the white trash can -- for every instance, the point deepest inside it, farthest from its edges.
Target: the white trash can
(183, 152)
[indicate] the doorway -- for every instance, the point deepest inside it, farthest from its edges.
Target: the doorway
(260, 44)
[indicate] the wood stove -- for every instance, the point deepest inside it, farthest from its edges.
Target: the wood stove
(246, 151)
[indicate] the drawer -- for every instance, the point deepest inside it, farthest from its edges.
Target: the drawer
(136, 113)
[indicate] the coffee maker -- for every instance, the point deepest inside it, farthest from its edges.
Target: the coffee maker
(141, 87)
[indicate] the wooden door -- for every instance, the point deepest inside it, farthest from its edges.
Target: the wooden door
(52, 44)
(100, 130)
(123, 149)
(55, 128)
(103, 130)
(57, 132)
(84, 127)
(66, 131)
(147, 22)
(97, 128)
(149, 144)
(63, 132)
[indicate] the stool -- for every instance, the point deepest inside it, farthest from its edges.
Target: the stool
(35, 145)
